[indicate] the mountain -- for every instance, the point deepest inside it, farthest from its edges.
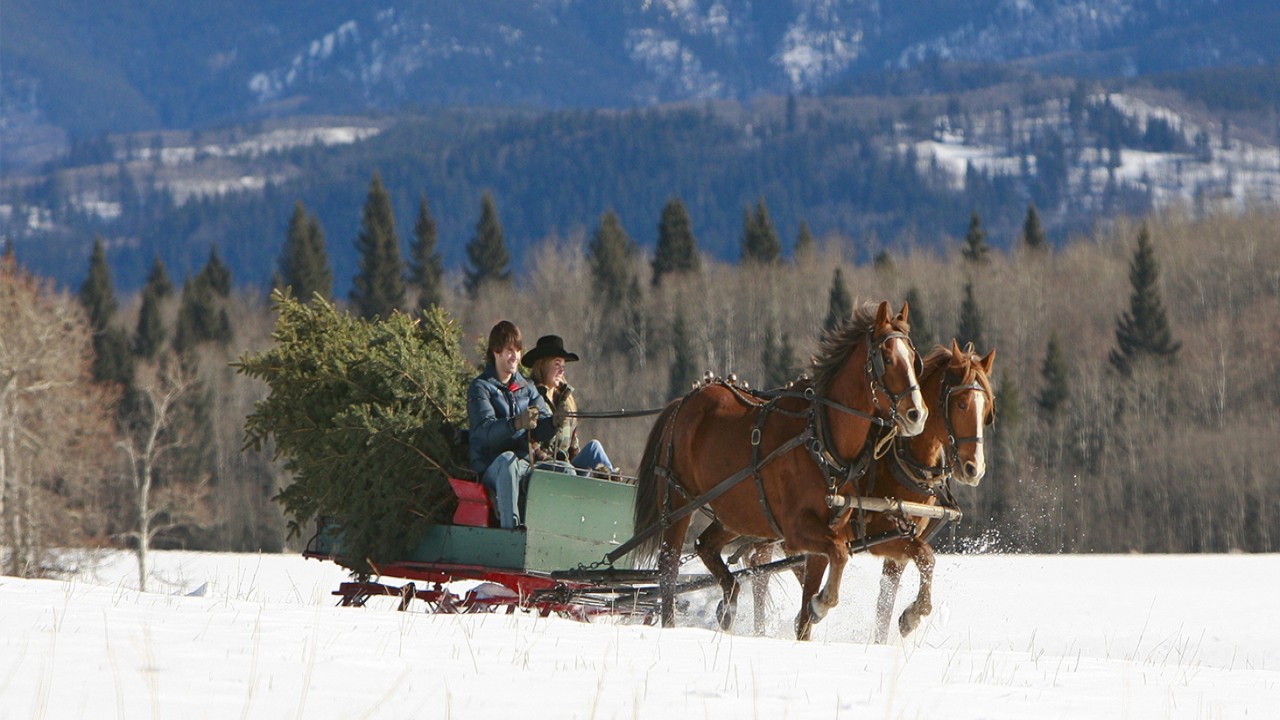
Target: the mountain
(166, 129)
(81, 68)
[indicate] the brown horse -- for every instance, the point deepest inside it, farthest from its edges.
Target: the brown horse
(797, 447)
(961, 403)
(957, 390)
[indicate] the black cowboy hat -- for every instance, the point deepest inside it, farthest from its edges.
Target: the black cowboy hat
(549, 346)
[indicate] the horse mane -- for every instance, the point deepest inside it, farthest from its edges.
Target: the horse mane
(838, 342)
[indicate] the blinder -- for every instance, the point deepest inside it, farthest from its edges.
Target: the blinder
(877, 357)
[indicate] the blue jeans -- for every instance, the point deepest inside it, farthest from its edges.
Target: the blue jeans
(591, 455)
(502, 478)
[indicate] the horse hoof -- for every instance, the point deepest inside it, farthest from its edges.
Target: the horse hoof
(724, 615)
(817, 610)
(907, 623)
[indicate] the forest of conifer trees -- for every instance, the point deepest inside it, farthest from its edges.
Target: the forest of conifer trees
(1134, 368)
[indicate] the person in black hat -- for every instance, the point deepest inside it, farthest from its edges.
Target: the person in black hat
(546, 363)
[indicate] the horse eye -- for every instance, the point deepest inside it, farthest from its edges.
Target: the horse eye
(964, 405)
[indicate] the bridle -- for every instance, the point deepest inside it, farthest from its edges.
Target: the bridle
(929, 478)
(875, 370)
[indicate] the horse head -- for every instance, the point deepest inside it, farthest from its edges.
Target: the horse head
(894, 366)
(963, 407)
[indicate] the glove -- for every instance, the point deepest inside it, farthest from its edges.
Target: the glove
(526, 420)
(560, 417)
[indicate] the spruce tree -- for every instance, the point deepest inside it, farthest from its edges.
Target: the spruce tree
(883, 262)
(804, 244)
(486, 252)
(112, 362)
(839, 302)
(1009, 402)
(1053, 372)
(378, 289)
(778, 358)
(969, 329)
(364, 415)
(426, 268)
(1032, 234)
(217, 274)
(1143, 330)
(922, 333)
(150, 334)
(97, 296)
(684, 370)
(975, 246)
(1005, 438)
(677, 248)
(201, 317)
(759, 239)
(304, 263)
(610, 255)
(158, 279)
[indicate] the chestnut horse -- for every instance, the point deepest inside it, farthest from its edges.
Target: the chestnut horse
(797, 447)
(957, 389)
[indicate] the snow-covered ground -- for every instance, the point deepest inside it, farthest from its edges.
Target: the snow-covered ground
(248, 636)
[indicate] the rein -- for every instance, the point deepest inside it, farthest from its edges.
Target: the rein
(614, 414)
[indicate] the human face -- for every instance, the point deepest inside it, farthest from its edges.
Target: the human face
(505, 361)
(555, 372)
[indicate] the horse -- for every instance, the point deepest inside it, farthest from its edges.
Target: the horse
(957, 389)
(798, 446)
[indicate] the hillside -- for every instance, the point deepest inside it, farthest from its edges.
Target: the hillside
(879, 172)
(78, 69)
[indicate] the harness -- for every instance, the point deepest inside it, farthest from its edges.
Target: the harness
(815, 437)
(934, 480)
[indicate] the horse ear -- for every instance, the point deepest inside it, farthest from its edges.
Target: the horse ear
(987, 361)
(957, 357)
(882, 313)
(903, 314)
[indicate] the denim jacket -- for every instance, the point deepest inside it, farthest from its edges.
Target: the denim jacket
(491, 405)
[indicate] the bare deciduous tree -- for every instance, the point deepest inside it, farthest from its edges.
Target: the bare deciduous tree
(159, 507)
(51, 415)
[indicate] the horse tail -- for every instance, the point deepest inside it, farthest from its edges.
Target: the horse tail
(650, 488)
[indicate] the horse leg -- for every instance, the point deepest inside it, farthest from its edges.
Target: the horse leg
(669, 568)
(890, 576)
(709, 544)
(760, 555)
(922, 554)
(814, 566)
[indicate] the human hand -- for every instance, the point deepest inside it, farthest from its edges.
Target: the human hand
(560, 417)
(526, 420)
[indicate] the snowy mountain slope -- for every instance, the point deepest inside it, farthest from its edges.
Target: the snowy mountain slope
(65, 61)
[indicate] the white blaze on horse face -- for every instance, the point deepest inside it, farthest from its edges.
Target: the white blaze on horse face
(911, 410)
(973, 475)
